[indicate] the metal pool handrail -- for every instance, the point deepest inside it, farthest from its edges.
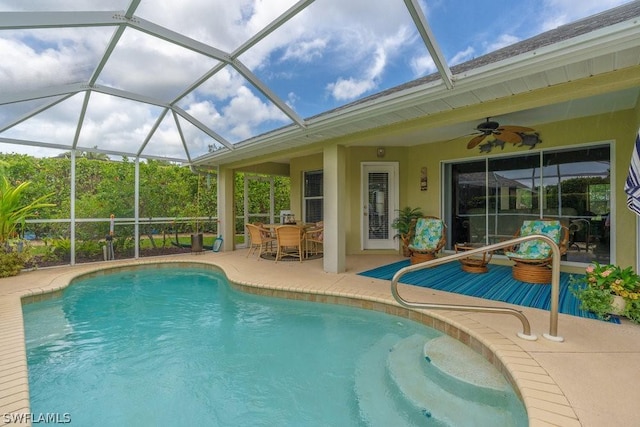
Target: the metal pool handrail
(526, 333)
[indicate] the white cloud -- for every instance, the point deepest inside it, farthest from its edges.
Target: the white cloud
(245, 111)
(423, 65)
(463, 56)
(146, 65)
(345, 89)
(501, 41)
(51, 59)
(560, 12)
(292, 98)
(55, 125)
(305, 51)
(205, 112)
(222, 85)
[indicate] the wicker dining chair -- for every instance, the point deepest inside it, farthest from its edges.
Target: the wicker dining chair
(314, 239)
(260, 239)
(290, 242)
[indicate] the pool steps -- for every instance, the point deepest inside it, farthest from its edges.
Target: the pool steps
(432, 385)
(453, 366)
(372, 389)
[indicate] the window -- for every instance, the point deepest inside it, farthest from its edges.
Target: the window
(488, 199)
(313, 196)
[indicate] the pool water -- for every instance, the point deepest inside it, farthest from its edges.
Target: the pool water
(180, 347)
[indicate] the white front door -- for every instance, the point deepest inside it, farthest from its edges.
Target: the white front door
(379, 202)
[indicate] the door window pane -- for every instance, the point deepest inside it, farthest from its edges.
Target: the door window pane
(469, 197)
(577, 189)
(513, 188)
(378, 205)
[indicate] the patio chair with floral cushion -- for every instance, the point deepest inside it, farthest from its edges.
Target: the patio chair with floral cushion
(426, 237)
(533, 257)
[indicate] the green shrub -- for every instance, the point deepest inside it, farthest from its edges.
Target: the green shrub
(11, 261)
(598, 301)
(89, 249)
(59, 249)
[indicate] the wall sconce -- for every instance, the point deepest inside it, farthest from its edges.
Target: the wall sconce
(423, 179)
(380, 152)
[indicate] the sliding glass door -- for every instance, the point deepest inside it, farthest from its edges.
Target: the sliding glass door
(487, 200)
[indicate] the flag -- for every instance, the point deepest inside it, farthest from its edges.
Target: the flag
(632, 186)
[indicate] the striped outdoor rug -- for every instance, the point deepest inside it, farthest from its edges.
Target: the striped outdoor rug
(497, 285)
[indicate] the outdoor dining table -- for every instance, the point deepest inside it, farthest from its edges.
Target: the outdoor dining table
(304, 226)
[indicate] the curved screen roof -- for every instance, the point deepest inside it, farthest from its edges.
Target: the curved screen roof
(178, 80)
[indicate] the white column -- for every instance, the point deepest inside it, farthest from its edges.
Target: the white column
(136, 208)
(226, 224)
(72, 210)
(334, 209)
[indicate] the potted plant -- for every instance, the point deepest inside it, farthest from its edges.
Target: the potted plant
(609, 289)
(402, 224)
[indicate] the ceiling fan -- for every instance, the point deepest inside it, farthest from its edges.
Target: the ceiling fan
(509, 134)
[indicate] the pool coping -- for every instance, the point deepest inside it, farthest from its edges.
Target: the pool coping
(543, 399)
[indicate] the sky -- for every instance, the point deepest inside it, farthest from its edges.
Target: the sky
(330, 54)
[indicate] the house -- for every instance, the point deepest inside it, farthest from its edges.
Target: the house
(576, 88)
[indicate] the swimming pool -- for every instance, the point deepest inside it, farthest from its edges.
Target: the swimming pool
(179, 346)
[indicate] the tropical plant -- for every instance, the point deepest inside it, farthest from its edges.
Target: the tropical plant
(13, 214)
(13, 211)
(402, 223)
(58, 249)
(601, 285)
(89, 249)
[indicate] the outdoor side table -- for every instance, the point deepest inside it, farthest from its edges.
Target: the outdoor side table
(474, 263)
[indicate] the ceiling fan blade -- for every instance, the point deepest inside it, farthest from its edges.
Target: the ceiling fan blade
(515, 129)
(475, 141)
(510, 137)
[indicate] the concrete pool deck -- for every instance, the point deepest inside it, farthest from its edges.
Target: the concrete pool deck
(587, 380)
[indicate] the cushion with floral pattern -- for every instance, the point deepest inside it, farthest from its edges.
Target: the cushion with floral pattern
(537, 249)
(427, 234)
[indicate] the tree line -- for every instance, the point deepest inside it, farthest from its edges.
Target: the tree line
(105, 187)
